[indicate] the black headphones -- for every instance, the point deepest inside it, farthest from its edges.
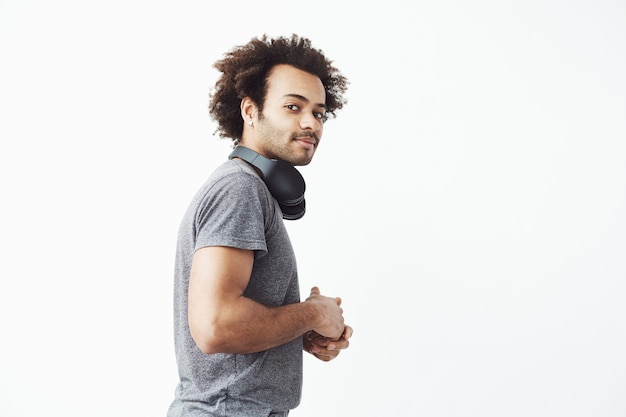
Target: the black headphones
(282, 179)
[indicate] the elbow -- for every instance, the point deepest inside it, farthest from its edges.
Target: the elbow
(210, 338)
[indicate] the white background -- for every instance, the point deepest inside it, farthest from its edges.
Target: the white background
(468, 203)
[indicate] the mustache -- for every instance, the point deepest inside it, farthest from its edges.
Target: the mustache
(305, 135)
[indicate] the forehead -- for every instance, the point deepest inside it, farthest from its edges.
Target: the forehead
(284, 80)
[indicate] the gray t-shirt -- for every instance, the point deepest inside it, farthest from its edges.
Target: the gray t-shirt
(234, 208)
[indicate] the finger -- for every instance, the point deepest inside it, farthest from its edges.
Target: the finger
(326, 355)
(341, 343)
(347, 332)
(317, 349)
(323, 358)
(315, 291)
(338, 345)
(322, 353)
(338, 300)
(320, 341)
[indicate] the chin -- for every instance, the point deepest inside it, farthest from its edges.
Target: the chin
(303, 161)
(298, 158)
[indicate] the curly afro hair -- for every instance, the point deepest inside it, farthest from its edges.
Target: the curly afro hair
(244, 74)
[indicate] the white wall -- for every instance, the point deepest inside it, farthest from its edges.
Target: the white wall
(468, 204)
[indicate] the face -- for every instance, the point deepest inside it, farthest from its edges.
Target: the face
(291, 125)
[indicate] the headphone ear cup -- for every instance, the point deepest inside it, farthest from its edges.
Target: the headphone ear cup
(287, 186)
(285, 183)
(291, 212)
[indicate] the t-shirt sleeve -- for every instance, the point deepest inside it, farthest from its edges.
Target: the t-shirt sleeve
(233, 213)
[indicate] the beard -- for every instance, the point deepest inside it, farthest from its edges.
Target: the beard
(280, 144)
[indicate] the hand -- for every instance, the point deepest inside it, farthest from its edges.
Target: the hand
(325, 348)
(330, 314)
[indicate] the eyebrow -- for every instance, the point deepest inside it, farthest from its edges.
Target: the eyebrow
(306, 100)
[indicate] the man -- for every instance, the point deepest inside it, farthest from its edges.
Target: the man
(240, 327)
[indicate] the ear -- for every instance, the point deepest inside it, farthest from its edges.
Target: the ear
(249, 110)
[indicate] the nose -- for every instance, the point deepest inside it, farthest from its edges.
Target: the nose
(309, 122)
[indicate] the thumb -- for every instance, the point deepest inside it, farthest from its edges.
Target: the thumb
(338, 300)
(315, 291)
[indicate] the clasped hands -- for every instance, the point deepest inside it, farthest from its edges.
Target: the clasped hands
(323, 347)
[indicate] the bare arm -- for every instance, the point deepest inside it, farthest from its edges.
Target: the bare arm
(222, 320)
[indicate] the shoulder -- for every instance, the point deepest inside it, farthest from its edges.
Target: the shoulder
(235, 169)
(235, 176)
(235, 186)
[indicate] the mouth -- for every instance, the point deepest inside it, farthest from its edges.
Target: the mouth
(307, 141)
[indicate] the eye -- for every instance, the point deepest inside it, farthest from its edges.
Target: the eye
(321, 116)
(293, 107)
